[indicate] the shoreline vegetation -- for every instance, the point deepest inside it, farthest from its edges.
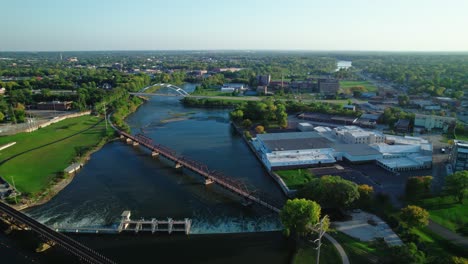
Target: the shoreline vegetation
(49, 184)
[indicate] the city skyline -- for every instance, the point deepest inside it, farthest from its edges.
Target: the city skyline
(244, 25)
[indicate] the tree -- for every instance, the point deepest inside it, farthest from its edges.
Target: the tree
(403, 100)
(2, 116)
(298, 215)
(457, 185)
(414, 216)
(331, 191)
(406, 254)
(237, 114)
(418, 186)
(260, 129)
(365, 194)
(247, 123)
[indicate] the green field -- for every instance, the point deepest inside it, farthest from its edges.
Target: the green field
(38, 157)
(295, 179)
(345, 85)
(307, 253)
(446, 211)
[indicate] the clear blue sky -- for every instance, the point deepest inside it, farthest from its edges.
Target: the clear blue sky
(411, 25)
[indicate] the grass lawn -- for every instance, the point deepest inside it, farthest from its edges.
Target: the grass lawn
(295, 179)
(358, 251)
(212, 92)
(307, 254)
(438, 246)
(34, 170)
(345, 85)
(446, 211)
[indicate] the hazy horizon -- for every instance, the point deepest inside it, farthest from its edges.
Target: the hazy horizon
(256, 25)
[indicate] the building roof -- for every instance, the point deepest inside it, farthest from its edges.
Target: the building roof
(356, 149)
(294, 141)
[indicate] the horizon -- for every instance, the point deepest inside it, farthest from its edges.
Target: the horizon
(259, 25)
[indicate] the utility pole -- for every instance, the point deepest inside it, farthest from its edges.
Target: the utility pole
(319, 228)
(14, 186)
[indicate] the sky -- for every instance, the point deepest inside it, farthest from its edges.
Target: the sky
(384, 25)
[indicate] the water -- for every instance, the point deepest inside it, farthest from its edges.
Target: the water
(121, 177)
(343, 65)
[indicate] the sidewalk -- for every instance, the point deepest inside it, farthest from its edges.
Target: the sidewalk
(448, 234)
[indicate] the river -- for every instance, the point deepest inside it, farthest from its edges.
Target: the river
(121, 177)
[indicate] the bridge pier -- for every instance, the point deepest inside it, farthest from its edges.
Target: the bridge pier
(154, 154)
(122, 136)
(247, 203)
(135, 143)
(170, 224)
(208, 181)
(124, 221)
(178, 166)
(129, 141)
(188, 225)
(154, 225)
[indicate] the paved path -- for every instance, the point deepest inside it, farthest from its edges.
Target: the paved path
(339, 248)
(448, 234)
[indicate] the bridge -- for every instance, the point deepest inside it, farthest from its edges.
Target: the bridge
(211, 176)
(84, 253)
(177, 91)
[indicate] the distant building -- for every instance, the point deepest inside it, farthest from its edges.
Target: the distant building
(402, 126)
(262, 89)
(107, 86)
(231, 87)
(328, 86)
(55, 105)
(72, 59)
(349, 107)
(429, 122)
(325, 118)
(232, 69)
(264, 80)
(460, 155)
(356, 135)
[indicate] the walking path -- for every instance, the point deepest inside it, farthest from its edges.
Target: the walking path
(448, 234)
(339, 248)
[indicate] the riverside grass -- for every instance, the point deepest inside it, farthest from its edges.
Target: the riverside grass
(37, 158)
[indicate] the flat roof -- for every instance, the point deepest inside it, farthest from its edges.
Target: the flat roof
(356, 149)
(298, 143)
(288, 135)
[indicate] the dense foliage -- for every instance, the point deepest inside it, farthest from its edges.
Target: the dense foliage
(331, 191)
(298, 215)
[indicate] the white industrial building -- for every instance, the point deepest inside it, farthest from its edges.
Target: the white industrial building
(326, 146)
(231, 87)
(357, 135)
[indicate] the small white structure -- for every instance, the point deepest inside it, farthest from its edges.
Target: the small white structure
(305, 127)
(231, 87)
(349, 107)
(73, 167)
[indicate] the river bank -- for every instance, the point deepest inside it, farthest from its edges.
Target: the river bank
(62, 180)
